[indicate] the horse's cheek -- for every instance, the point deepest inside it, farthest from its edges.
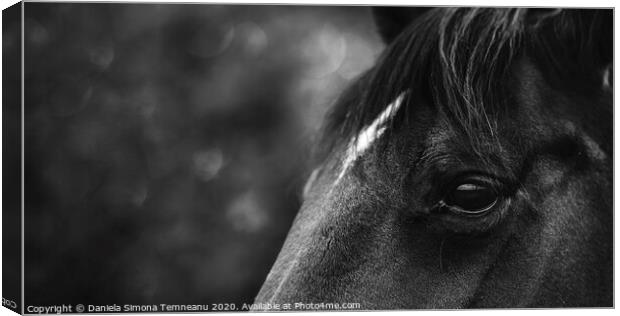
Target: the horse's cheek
(549, 259)
(578, 238)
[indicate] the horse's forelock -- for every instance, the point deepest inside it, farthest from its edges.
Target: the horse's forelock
(458, 59)
(454, 58)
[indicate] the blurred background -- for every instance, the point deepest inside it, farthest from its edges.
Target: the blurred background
(167, 144)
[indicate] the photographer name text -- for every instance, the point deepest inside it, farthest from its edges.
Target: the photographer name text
(124, 308)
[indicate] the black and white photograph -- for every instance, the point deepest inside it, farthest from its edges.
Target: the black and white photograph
(230, 157)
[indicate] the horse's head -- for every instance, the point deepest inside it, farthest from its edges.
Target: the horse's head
(471, 167)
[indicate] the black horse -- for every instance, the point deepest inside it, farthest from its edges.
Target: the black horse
(470, 167)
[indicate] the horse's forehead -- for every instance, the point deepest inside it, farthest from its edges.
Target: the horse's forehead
(537, 112)
(529, 83)
(527, 118)
(533, 96)
(540, 113)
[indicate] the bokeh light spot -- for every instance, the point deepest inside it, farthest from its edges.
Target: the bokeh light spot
(36, 33)
(102, 56)
(246, 213)
(208, 163)
(253, 36)
(323, 51)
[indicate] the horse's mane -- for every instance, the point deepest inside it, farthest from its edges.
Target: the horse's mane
(458, 60)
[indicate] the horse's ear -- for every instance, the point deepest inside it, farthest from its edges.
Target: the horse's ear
(391, 21)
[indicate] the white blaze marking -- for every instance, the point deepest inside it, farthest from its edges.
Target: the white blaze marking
(368, 135)
(310, 181)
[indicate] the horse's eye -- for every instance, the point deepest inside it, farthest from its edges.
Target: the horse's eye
(472, 198)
